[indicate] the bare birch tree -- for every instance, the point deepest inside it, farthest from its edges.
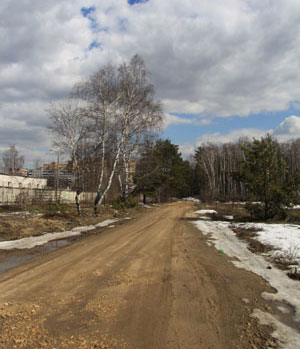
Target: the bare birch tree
(101, 94)
(69, 127)
(12, 160)
(121, 109)
(141, 113)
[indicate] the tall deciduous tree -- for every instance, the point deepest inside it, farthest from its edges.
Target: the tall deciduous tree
(118, 112)
(69, 127)
(140, 112)
(12, 160)
(122, 110)
(101, 93)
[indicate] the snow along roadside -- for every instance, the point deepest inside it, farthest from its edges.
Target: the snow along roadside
(31, 242)
(288, 290)
(285, 238)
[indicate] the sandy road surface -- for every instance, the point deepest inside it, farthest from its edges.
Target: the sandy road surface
(150, 283)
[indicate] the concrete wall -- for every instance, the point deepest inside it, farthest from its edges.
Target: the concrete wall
(11, 181)
(15, 195)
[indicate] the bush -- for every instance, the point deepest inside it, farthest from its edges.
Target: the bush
(123, 205)
(256, 211)
(55, 207)
(35, 209)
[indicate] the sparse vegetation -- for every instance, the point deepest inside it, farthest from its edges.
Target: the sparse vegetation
(254, 245)
(287, 258)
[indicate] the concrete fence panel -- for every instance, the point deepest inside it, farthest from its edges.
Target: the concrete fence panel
(9, 196)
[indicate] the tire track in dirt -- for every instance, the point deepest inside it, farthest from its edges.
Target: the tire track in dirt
(149, 283)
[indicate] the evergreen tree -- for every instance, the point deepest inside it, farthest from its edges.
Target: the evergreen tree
(147, 175)
(161, 172)
(264, 172)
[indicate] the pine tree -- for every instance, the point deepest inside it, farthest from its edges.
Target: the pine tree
(264, 172)
(161, 172)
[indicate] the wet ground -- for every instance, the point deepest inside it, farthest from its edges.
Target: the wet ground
(14, 258)
(156, 268)
(285, 313)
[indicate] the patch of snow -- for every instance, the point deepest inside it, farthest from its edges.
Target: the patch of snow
(24, 213)
(206, 211)
(285, 238)
(106, 222)
(289, 337)
(283, 309)
(288, 290)
(146, 206)
(197, 201)
(31, 242)
(205, 218)
(84, 228)
(229, 217)
(235, 203)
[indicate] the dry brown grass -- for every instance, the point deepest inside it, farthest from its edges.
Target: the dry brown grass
(16, 226)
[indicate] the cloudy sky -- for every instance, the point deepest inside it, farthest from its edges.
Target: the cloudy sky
(222, 69)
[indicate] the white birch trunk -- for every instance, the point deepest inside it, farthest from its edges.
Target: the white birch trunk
(112, 174)
(102, 164)
(126, 168)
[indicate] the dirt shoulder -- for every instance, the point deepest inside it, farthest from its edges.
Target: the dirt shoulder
(152, 282)
(19, 225)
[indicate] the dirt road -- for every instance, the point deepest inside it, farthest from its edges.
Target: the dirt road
(151, 282)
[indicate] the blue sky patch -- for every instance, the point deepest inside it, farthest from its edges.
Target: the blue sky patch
(133, 2)
(86, 11)
(184, 133)
(95, 44)
(89, 13)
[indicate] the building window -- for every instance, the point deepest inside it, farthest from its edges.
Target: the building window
(20, 185)
(9, 184)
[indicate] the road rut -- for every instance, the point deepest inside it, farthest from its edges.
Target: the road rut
(151, 282)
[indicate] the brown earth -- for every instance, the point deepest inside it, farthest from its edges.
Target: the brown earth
(15, 226)
(150, 283)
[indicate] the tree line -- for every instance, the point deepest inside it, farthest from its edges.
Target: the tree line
(110, 121)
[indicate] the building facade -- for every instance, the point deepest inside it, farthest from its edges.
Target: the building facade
(57, 175)
(15, 181)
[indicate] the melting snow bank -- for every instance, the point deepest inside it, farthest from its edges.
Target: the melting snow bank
(197, 201)
(206, 212)
(288, 290)
(31, 242)
(285, 238)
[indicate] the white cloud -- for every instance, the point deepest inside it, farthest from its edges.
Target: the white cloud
(212, 57)
(230, 137)
(288, 129)
(187, 150)
(169, 119)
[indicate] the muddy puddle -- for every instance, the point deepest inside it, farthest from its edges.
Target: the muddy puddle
(285, 313)
(17, 252)
(14, 258)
